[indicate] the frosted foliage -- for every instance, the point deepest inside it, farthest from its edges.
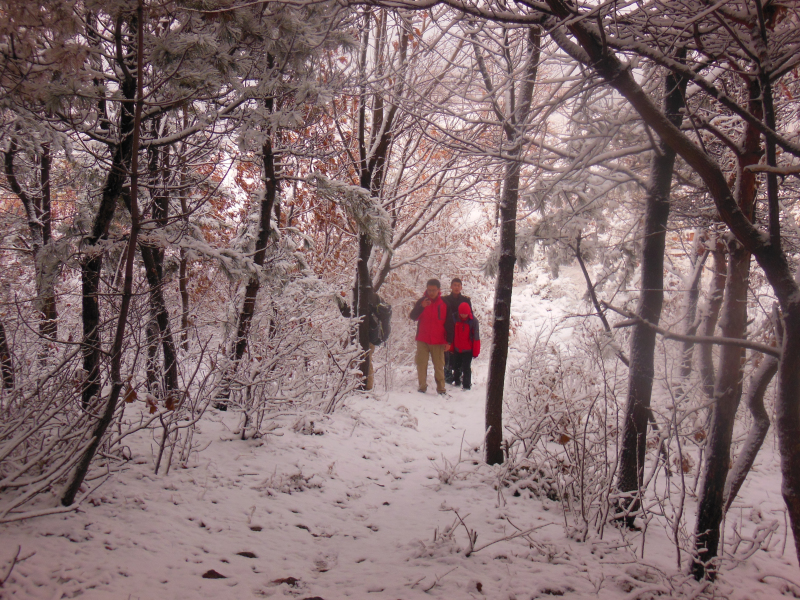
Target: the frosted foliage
(368, 214)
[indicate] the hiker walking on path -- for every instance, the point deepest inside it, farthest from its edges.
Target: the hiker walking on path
(466, 346)
(453, 301)
(434, 335)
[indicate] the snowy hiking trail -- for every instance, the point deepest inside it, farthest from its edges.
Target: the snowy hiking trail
(356, 509)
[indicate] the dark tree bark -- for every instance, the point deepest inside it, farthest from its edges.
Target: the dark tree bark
(727, 394)
(92, 262)
(591, 50)
(728, 383)
(643, 339)
(183, 273)
(132, 88)
(264, 228)
(6, 365)
(372, 155)
(153, 259)
(514, 126)
(158, 307)
(271, 186)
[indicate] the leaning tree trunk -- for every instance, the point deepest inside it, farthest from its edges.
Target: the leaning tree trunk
(643, 338)
(264, 227)
(498, 358)
(758, 431)
(727, 394)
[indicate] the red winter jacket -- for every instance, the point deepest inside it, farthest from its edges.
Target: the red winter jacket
(433, 326)
(467, 334)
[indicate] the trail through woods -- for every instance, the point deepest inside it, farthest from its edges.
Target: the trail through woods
(357, 505)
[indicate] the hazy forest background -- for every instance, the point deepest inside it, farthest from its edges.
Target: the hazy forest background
(190, 190)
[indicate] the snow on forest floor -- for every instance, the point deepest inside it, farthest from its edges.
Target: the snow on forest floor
(362, 504)
(361, 508)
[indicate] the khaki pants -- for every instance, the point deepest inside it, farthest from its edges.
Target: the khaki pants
(436, 352)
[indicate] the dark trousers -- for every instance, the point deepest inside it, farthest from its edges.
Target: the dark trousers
(448, 367)
(462, 368)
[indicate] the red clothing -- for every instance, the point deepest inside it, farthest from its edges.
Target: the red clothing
(432, 323)
(466, 337)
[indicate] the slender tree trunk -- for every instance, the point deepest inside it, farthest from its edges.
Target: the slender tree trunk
(727, 394)
(134, 89)
(690, 315)
(48, 327)
(264, 227)
(93, 257)
(151, 369)
(498, 358)
(708, 322)
(183, 287)
(6, 365)
(158, 307)
(643, 339)
(362, 306)
(183, 273)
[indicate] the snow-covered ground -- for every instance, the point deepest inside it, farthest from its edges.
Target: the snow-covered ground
(378, 500)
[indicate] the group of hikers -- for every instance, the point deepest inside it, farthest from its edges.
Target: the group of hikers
(448, 333)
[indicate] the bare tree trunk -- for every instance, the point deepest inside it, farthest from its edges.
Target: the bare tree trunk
(92, 262)
(48, 328)
(727, 394)
(690, 315)
(6, 366)
(758, 432)
(514, 127)
(151, 368)
(787, 415)
(183, 287)
(264, 227)
(158, 307)
(183, 273)
(643, 339)
(708, 322)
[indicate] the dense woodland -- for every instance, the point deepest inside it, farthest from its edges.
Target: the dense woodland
(190, 190)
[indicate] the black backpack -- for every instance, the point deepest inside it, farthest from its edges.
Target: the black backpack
(380, 322)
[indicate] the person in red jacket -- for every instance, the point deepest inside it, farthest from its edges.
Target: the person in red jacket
(466, 346)
(434, 335)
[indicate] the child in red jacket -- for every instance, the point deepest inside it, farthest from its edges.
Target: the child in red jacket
(466, 346)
